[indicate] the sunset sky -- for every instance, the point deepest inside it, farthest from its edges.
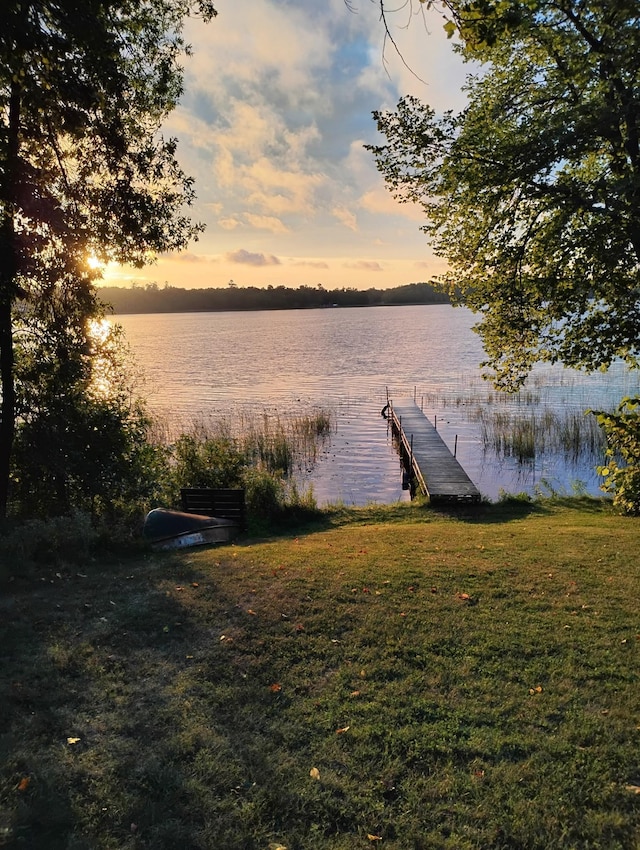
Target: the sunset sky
(276, 110)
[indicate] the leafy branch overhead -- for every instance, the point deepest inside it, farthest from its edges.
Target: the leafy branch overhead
(531, 192)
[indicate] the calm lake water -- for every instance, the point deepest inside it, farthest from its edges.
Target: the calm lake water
(201, 366)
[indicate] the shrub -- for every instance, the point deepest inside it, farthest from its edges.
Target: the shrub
(265, 494)
(621, 472)
(56, 541)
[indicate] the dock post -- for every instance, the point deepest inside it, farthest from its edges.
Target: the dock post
(455, 446)
(411, 457)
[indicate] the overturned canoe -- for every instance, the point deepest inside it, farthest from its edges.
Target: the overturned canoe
(167, 529)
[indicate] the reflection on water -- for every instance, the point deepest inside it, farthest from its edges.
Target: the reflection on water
(214, 364)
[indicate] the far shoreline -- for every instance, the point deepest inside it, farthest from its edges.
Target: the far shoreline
(169, 299)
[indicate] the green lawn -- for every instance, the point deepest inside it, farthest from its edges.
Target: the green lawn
(393, 678)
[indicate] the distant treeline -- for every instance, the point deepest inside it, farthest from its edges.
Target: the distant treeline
(171, 299)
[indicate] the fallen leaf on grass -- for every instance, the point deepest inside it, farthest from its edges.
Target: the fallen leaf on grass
(343, 730)
(275, 688)
(252, 612)
(24, 783)
(275, 846)
(536, 690)
(635, 789)
(374, 837)
(464, 597)
(314, 773)
(73, 741)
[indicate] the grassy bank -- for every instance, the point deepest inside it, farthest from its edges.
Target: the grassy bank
(390, 678)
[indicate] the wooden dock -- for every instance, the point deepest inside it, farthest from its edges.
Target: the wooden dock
(436, 471)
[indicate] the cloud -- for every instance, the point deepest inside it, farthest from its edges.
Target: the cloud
(365, 265)
(346, 217)
(273, 120)
(266, 222)
(248, 258)
(229, 223)
(312, 264)
(185, 257)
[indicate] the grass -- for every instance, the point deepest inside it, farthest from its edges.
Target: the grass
(390, 677)
(569, 433)
(274, 442)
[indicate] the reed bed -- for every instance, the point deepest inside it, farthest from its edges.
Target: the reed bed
(272, 442)
(569, 433)
(286, 444)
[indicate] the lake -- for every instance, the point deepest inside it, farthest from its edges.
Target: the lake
(201, 366)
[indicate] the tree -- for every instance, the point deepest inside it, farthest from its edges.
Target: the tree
(82, 433)
(532, 192)
(84, 171)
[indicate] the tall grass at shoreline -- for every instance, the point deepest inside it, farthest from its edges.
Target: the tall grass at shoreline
(568, 433)
(271, 441)
(288, 444)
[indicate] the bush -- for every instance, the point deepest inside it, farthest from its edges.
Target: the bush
(621, 472)
(265, 494)
(57, 541)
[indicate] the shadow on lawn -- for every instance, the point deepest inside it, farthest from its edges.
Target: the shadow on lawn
(514, 508)
(88, 661)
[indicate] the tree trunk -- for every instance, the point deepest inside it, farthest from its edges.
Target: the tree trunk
(8, 287)
(8, 409)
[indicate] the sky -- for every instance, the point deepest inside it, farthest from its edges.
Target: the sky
(276, 110)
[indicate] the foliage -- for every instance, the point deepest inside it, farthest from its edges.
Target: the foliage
(207, 462)
(54, 542)
(265, 494)
(82, 436)
(256, 452)
(84, 89)
(531, 192)
(622, 470)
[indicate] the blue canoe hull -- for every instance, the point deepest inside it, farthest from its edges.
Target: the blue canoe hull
(167, 529)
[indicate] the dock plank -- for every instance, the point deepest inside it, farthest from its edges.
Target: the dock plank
(437, 471)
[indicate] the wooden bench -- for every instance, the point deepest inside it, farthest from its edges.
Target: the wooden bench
(222, 503)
